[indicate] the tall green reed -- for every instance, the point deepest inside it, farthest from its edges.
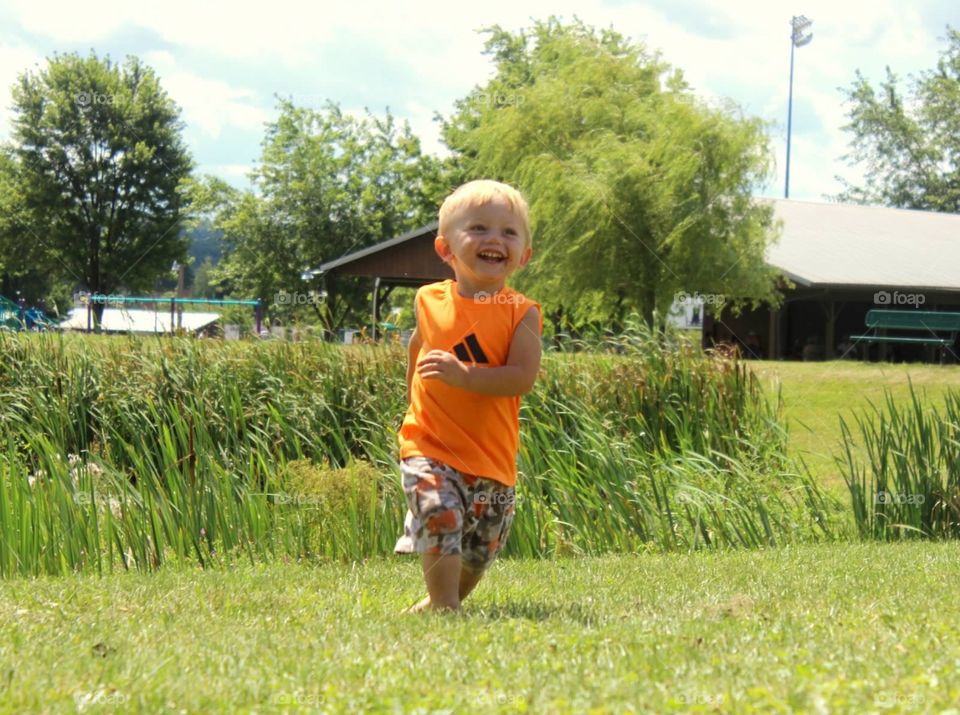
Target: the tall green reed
(908, 484)
(180, 450)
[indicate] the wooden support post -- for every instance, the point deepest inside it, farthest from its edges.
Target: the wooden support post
(780, 320)
(830, 339)
(181, 291)
(376, 306)
(772, 337)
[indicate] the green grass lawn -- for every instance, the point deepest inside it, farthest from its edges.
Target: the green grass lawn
(843, 627)
(831, 628)
(816, 394)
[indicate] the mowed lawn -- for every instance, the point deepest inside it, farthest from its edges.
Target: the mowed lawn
(816, 394)
(828, 628)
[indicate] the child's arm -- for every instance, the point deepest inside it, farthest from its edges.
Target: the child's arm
(413, 349)
(514, 378)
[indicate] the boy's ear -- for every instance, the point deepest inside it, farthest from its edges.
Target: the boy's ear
(526, 256)
(442, 247)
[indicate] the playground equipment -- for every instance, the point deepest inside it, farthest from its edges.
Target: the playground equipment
(176, 306)
(16, 317)
(9, 315)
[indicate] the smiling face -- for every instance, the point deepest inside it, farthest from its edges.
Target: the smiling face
(484, 244)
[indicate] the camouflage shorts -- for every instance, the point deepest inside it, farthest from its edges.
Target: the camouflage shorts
(454, 513)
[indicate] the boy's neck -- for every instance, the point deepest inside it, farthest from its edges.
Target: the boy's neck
(469, 289)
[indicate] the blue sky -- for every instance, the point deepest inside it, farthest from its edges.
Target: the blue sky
(224, 62)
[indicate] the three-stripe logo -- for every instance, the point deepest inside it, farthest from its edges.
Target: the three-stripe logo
(469, 350)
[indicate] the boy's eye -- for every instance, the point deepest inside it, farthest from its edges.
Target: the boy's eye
(478, 227)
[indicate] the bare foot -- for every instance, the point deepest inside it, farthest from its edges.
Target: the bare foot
(418, 607)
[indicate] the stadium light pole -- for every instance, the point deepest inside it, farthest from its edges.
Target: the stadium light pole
(798, 38)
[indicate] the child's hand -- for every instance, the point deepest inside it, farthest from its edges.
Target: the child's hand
(444, 366)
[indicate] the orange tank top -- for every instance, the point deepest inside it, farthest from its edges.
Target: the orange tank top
(473, 433)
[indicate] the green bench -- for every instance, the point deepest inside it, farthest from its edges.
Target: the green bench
(928, 322)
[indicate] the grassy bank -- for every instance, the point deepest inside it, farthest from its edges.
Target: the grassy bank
(817, 394)
(132, 452)
(831, 628)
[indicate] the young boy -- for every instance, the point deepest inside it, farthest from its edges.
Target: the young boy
(475, 351)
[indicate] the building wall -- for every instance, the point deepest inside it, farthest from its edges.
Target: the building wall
(413, 259)
(802, 321)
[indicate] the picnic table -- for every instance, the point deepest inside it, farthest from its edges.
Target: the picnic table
(932, 329)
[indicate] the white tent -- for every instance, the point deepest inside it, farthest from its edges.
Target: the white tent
(121, 320)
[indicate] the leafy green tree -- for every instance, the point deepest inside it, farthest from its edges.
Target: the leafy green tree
(638, 189)
(908, 141)
(17, 249)
(202, 285)
(99, 164)
(24, 266)
(328, 183)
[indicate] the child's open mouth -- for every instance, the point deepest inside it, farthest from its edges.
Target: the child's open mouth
(492, 256)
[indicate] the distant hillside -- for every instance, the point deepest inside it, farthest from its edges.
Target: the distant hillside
(205, 244)
(205, 241)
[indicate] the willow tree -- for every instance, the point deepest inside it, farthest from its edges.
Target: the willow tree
(639, 190)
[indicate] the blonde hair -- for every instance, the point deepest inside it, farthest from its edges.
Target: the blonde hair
(479, 193)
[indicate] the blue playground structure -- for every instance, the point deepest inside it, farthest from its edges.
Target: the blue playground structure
(15, 318)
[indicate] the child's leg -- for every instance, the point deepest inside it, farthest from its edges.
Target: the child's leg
(468, 581)
(433, 527)
(459, 523)
(487, 525)
(442, 575)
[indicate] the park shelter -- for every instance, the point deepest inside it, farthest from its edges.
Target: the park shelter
(843, 260)
(840, 260)
(407, 260)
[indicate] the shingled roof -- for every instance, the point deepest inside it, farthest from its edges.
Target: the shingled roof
(822, 245)
(845, 245)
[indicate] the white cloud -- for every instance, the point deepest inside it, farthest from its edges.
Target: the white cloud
(282, 28)
(14, 60)
(208, 104)
(236, 174)
(755, 63)
(735, 48)
(421, 123)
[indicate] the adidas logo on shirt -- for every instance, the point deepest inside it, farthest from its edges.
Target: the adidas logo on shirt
(469, 350)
